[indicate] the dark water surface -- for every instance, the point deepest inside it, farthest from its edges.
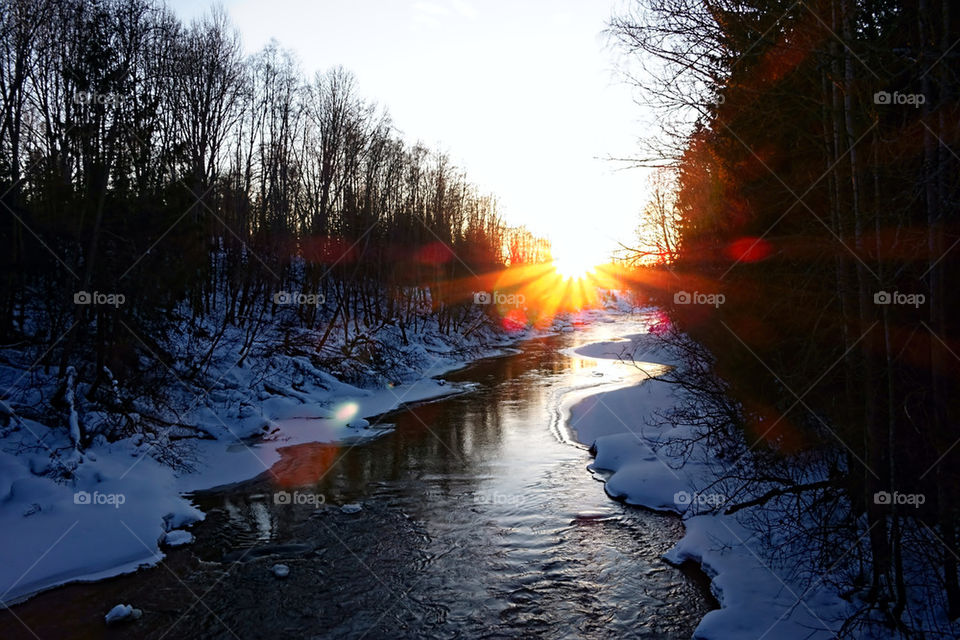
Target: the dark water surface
(478, 520)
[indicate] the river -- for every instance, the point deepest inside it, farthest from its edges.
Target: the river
(478, 518)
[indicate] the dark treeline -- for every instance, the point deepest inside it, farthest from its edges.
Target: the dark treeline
(151, 159)
(816, 187)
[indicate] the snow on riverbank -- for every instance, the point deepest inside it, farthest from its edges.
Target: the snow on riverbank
(758, 600)
(119, 507)
(71, 515)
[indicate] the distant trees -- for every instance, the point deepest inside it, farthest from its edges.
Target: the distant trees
(658, 234)
(524, 248)
(816, 154)
(149, 158)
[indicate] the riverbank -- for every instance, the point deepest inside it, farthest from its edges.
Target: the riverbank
(118, 505)
(473, 517)
(627, 429)
(609, 408)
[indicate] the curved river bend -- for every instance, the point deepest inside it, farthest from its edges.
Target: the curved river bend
(478, 520)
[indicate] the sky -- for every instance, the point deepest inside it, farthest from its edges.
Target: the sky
(522, 94)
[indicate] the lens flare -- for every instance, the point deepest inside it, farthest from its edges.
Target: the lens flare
(346, 411)
(572, 267)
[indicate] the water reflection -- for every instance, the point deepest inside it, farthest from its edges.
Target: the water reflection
(511, 530)
(477, 520)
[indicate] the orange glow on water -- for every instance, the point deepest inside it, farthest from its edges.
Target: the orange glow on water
(303, 465)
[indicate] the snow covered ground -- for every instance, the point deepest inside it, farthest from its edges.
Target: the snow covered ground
(83, 514)
(758, 600)
(118, 507)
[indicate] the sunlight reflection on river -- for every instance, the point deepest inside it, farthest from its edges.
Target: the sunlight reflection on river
(508, 528)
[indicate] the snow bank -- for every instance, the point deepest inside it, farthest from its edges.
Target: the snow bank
(107, 521)
(756, 599)
(71, 515)
(122, 504)
(619, 424)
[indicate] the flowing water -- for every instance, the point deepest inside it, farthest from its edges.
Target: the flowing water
(478, 519)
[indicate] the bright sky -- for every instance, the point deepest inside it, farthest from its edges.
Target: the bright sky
(521, 93)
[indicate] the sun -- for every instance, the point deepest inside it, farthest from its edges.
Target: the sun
(577, 257)
(571, 267)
